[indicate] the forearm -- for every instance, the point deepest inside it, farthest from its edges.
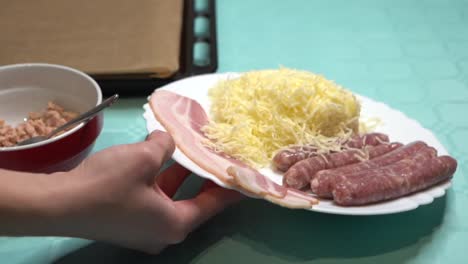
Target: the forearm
(27, 204)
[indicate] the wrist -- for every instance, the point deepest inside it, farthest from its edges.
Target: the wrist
(61, 198)
(67, 208)
(23, 203)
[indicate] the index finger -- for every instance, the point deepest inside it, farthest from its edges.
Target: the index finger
(172, 178)
(206, 205)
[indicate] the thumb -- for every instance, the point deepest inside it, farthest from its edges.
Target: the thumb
(161, 142)
(156, 150)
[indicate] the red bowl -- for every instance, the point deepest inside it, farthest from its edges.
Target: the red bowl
(28, 87)
(62, 155)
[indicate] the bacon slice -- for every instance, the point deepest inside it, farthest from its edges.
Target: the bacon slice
(255, 182)
(183, 118)
(294, 200)
(250, 181)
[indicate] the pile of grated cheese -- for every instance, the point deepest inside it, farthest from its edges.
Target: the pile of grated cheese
(260, 112)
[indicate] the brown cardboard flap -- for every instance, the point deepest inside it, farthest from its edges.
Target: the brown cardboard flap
(99, 37)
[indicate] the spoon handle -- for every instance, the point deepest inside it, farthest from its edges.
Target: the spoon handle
(86, 116)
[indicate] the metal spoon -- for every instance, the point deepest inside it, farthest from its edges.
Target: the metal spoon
(81, 118)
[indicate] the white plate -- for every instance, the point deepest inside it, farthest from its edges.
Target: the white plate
(397, 125)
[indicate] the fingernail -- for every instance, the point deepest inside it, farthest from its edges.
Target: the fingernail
(153, 133)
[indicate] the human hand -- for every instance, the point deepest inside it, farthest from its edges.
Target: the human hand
(116, 196)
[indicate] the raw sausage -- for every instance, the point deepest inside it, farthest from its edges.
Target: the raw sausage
(284, 159)
(403, 177)
(301, 173)
(323, 183)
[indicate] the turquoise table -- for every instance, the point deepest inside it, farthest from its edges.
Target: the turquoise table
(412, 55)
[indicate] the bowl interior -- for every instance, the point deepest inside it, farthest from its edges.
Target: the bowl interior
(28, 88)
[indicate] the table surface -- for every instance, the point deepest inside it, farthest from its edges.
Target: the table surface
(412, 55)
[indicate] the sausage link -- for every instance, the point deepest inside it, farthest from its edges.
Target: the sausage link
(323, 183)
(401, 178)
(301, 173)
(284, 159)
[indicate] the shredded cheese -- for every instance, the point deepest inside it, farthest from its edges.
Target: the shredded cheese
(260, 112)
(369, 124)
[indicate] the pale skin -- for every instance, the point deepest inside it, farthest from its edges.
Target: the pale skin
(117, 195)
